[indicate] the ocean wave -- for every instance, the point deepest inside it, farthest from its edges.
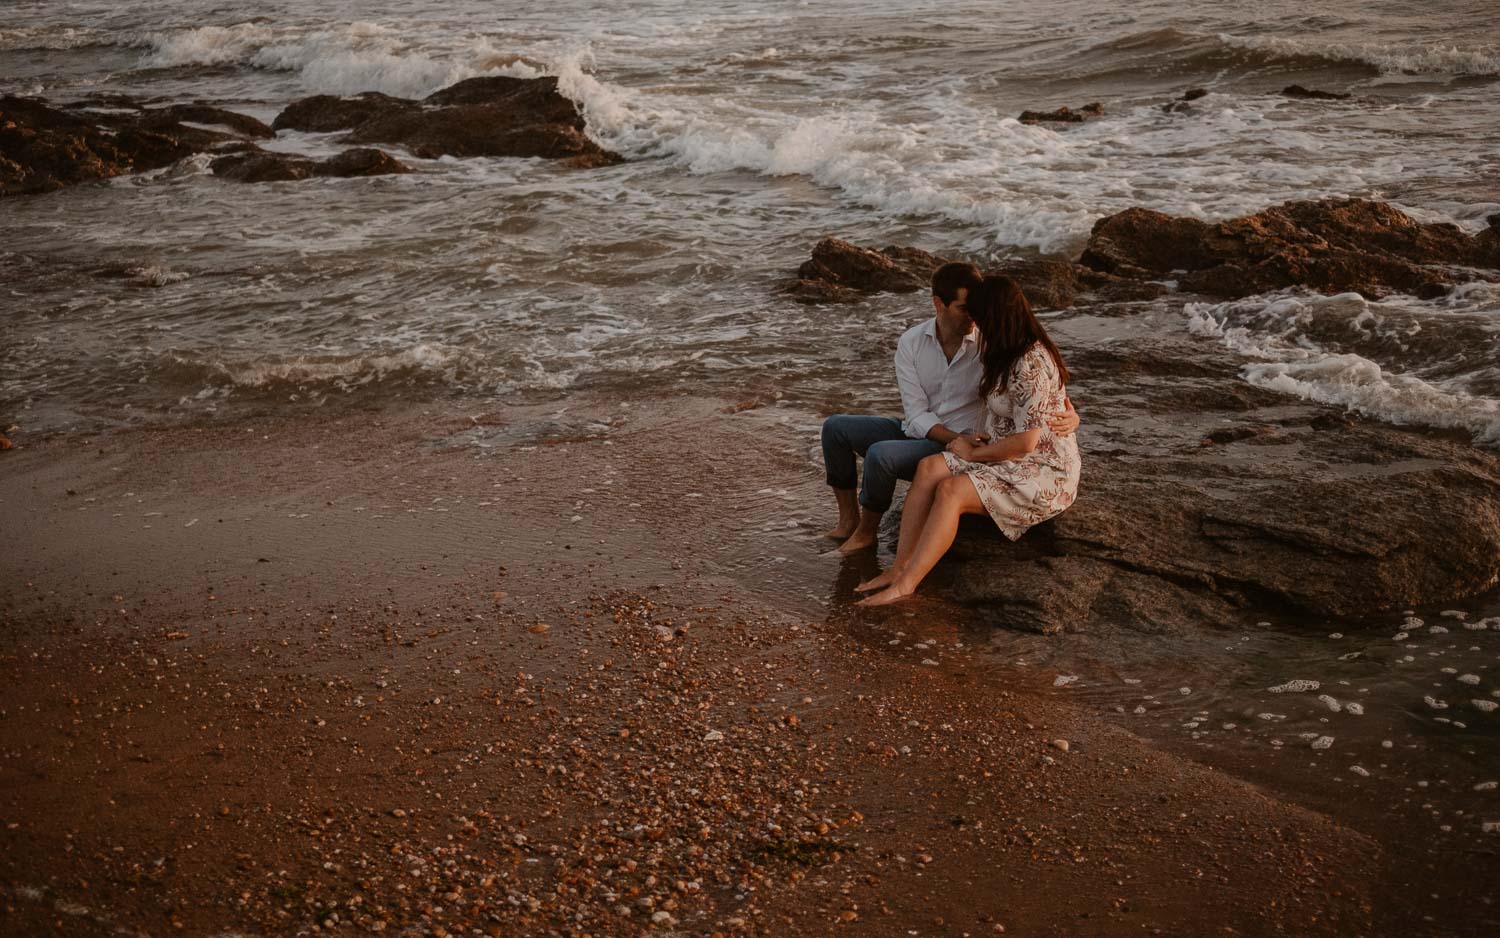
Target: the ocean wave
(1387, 59)
(347, 60)
(423, 363)
(1279, 330)
(62, 39)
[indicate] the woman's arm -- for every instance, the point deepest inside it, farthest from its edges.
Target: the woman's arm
(1007, 447)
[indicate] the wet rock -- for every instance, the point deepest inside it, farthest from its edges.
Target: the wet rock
(841, 272)
(1181, 104)
(44, 148)
(492, 116)
(1312, 94)
(1062, 115)
(261, 166)
(1332, 245)
(1352, 520)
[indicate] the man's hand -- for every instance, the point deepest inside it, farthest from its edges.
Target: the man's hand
(1065, 423)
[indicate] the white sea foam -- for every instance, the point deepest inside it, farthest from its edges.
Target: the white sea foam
(348, 60)
(1270, 328)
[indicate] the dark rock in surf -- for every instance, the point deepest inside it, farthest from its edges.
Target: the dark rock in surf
(840, 272)
(1332, 245)
(491, 116)
(1181, 104)
(1062, 115)
(260, 166)
(44, 148)
(1312, 94)
(326, 113)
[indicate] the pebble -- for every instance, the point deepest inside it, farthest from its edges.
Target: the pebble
(1469, 678)
(1490, 827)
(1329, 702)
(1434, 703)
(713, 736)
(1297, 686)
(1184, 691)
(1487, 786)
(1357, 709)
(1484, 706)
(1360, 770)
(1387, 744)
(1063, 680)
(1323, 742)
(1060, 744)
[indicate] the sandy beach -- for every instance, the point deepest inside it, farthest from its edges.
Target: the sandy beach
(354, 670)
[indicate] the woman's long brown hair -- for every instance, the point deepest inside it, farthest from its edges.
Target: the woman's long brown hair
(1008, 328)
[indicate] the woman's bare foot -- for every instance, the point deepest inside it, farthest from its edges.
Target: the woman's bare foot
(891, 594)
(878, 581)
(842, 531)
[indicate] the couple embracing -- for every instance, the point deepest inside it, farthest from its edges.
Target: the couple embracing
(988, 430)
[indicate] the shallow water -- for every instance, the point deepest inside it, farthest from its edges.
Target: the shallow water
(752, 131)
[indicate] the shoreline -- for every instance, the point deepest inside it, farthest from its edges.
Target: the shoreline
(438, 598)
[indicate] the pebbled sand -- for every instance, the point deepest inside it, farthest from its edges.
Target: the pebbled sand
(262, 674)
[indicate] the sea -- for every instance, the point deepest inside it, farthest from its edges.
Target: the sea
(750, 131)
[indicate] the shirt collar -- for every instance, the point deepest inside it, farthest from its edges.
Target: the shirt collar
(929, 329)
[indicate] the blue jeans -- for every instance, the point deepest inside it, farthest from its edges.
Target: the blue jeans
(889, 455)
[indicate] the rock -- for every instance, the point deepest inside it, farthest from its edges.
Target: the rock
(260, 166)
(325, 113)
(1297, 91)
(1332, 245)
(1062, 115)
(841, 272)
(492, 116)
(1061, 744)
(1181, 104)
(44, 148)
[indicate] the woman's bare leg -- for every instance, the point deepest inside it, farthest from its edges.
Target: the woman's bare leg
(930, 473)
(956, 496)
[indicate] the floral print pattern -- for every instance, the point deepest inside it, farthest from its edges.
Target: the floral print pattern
(1040, 485)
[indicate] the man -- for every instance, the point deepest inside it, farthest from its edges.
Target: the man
(938, 371)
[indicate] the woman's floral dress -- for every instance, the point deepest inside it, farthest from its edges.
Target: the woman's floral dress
(1022, 492)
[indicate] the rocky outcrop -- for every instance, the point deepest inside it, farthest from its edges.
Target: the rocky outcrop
(1241, 504)
(491, 116)
(840, 272)
(1063, 115)
(260, 166)
(43, 148)
(1333, 245)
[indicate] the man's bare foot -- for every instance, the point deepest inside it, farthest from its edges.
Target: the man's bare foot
(878, 581)
(842, 531)
(891, 594)
(857, 542)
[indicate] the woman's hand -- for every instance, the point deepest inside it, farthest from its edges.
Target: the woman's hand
(1065, 423)
(962, 447)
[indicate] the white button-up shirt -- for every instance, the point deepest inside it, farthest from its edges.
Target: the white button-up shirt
(935, 390)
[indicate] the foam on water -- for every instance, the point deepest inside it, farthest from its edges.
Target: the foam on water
(1279, 329)
(1388, 58)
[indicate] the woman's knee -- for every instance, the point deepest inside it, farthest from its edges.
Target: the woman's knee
(933, 468)
(954, 489)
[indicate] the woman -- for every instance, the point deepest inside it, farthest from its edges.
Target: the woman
(1019, 472)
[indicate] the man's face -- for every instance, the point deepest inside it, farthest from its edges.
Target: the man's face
(957, 312)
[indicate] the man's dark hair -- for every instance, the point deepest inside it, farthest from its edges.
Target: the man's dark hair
(948, 279)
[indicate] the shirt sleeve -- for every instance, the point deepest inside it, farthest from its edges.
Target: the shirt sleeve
(914, 402)
(1030, 388)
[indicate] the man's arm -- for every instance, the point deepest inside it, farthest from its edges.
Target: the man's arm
(921, 422)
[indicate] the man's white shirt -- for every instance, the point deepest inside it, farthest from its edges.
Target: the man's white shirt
(933, 389)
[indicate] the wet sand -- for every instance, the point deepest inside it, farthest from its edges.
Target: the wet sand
(427, 672)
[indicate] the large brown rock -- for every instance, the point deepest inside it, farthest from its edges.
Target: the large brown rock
(44, 148)
(1332, 245)
(841, 272)
(1240, 504)
(492, 116)
(260, 166)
